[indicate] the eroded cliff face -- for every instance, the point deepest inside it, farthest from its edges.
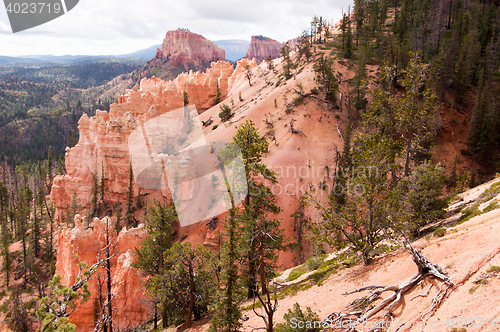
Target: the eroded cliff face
(262, 47)
(191, 50)
(84, 243)
(103, 151)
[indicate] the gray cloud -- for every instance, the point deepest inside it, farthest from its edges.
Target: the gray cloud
(112, 27)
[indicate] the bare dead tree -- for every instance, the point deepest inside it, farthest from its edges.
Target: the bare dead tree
(294, 130)
(208, 122)
(362, 309)
(105, 319)
(62, 303)
(268, 308)
(212, 223)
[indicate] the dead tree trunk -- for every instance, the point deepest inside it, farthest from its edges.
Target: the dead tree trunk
(364, 308)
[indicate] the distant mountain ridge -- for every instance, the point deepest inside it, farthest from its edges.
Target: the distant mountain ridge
(138, 57)
(235, 48)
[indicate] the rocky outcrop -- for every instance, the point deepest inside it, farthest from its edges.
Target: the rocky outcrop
(181, 52)
(262, 47)
(191, 50)
(84, 243)
(103, 150)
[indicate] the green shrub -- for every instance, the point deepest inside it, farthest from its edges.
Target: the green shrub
(314, 91)
(217, 97)
(315, 262)
(384, 248)
(298, 100)
(294, 289)
(456, 329)
(492, 206)
(297, 272)
(440, 232)
(490, 193)
(470, 212)
(225, 113)
(310, 321)
(215, 127)
(493, 269)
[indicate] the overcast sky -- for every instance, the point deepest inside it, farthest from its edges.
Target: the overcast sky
(104, 27)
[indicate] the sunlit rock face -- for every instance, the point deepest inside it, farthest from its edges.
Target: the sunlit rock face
(102, 150)
(191, 50)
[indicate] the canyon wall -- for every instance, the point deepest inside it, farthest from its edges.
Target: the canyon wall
(262, 47)
(191, 50)
(102, 149)
(181, 51)
(84, 243)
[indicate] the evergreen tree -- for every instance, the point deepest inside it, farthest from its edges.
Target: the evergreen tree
(228, 314)
(252, 147)
(6, 235)
(344, 168)
(287, 61)
(248, 74)
(225, 113)
(326, 76)
(186, 287)
(93, 199)
(150, 258)
(419, 197)
(50, 158)
(102, 188)
(304, 47)
(416, 111)
(359, 18)
(300, 222)
(347, 40)
(359, 82)
(217, 97)
(362, 220)
(483, 136)
(130, 198)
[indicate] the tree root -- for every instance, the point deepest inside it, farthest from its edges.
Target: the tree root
(362, 309)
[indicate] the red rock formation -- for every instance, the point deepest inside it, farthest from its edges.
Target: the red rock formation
(262, 47)
(103, 148)
(127, 283)
(103, 142)
(189, 49)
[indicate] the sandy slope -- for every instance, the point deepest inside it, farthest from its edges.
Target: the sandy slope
(466, 251)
